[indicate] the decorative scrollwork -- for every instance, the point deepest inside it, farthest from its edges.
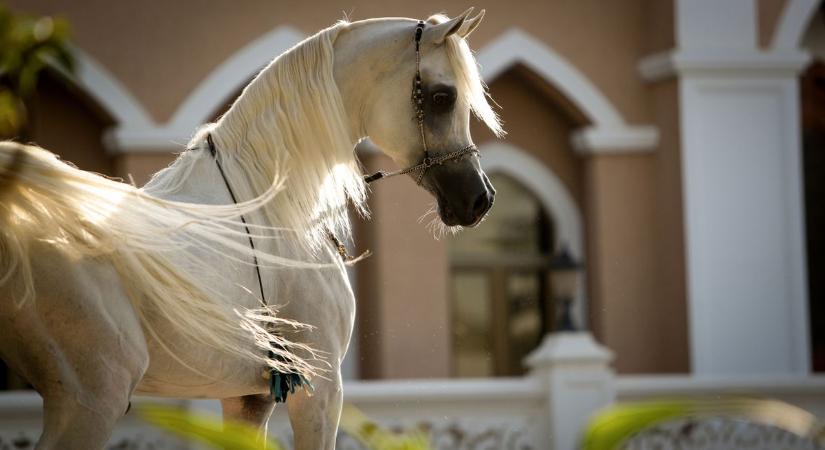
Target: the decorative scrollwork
(452, 435)
(138, 441)
(717, 433)
(447, 435)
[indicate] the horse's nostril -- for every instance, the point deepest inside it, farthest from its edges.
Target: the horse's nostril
(481, 205)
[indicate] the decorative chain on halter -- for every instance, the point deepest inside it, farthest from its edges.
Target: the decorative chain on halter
(418, 106)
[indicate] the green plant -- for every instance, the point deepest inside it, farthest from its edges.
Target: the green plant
(358, 425)
(206, 428)
(239, 436)
(28, 45)
(611, 427)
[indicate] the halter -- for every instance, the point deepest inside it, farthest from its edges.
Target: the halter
(418, 104)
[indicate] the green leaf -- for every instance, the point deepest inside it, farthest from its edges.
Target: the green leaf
(27, 46)
(11, 117)
(611, 427)
(205, 428)
(27, 77)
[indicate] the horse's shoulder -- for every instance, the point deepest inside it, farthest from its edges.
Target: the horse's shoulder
(52, 266)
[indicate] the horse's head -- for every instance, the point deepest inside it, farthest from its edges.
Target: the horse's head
(415, 103)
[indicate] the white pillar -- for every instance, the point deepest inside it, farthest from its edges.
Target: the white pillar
(741, 186)
(575, 372)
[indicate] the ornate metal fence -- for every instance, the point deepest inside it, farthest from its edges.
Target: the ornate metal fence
(721, 433)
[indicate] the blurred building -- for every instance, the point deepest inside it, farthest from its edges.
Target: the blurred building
(660, 141)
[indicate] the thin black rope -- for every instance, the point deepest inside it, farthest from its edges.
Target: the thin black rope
(214, 153)
(280, 384)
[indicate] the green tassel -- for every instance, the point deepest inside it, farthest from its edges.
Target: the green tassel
(283, 384)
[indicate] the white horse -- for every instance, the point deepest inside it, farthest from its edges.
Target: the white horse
(107, 290)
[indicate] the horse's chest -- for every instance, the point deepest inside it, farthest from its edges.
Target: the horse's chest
(320, 298)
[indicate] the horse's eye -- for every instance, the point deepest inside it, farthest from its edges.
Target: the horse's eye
(442, 99)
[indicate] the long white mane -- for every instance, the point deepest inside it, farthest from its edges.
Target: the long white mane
(289, 124)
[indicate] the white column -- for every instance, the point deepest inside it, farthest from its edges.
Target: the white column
(578, 381)
(743, 224)
(741, 186)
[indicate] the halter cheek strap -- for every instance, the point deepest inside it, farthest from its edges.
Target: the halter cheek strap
(418, 107)
(417, 93)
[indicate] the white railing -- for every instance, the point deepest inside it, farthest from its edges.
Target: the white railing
(807, 393)
(570, 378)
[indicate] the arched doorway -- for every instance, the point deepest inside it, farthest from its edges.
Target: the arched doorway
(64, 120)
(500, 302)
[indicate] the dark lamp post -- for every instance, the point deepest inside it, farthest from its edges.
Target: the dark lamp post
(565, 274)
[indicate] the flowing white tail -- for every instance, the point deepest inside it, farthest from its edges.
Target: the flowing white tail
(87, 215)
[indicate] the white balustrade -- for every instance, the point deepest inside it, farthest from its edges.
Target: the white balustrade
(569, 378)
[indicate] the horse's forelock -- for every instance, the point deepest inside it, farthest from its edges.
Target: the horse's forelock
(468, 77)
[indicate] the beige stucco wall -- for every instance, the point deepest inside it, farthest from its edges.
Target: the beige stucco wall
(537, 124)
(670, 246)
(769, 13)
(621, 237)
(62, 120)
(173, 45)
(402, 289)
(658, 26)
(140, 167)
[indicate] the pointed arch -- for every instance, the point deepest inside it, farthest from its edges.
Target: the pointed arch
(608, 130)
(136, 131)
(106, 90)
(500, 157)
(230, 76)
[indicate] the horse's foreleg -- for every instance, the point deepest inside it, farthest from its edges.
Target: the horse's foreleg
(314, 417)
(84, 392)
(252, 409)
(70, 424)
(83, 398)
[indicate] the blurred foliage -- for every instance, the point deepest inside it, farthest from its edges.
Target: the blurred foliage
(27, 46)
(357, 425)
(206, 428)
(611, 427)
(213, 431)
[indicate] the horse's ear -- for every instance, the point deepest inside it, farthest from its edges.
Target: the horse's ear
(470, 25)
(440, 31)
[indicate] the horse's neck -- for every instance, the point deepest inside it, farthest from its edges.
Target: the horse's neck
(195, 178)
(192, 178)
(290, 125)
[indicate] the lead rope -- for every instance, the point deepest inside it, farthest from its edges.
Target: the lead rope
(280, 384)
